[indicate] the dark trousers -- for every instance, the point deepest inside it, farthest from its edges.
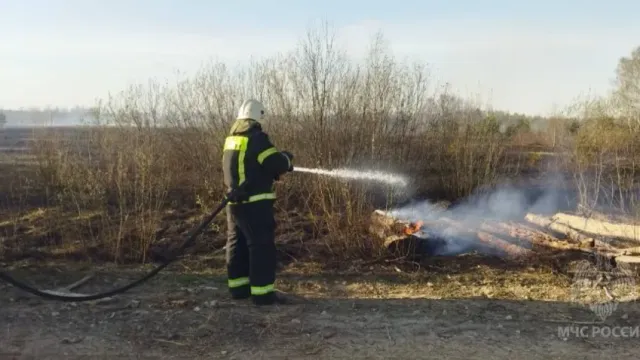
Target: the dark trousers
(251, 251)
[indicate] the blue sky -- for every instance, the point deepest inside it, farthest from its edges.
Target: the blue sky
(530, 57)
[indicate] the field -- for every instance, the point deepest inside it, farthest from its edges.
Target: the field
(360, 307)
(114, 199)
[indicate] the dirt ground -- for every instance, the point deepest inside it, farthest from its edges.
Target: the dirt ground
(472, 309)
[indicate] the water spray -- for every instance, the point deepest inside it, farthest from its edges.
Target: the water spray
(388, 178)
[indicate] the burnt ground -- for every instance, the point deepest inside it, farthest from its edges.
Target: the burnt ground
(458, 308)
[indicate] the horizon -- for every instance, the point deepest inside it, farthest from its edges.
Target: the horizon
(534, 59)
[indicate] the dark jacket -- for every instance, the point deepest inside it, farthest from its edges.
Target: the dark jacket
(250, 159)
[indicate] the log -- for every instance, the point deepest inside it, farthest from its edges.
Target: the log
(383, 225)
(520, 231)
(541, 239)
(401, 245)
(487, 239)
(582, 239)
(396, 240)
(525, 235)
(599, 227)
(512, 239)
(628, 259)
(513, 251)
(634, 251)
(391, 231)
(547, 223)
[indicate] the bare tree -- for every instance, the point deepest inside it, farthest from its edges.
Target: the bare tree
(627, 93)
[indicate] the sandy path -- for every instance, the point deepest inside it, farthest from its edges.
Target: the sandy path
(174, 321)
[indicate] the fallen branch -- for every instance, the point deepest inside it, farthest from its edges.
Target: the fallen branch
(67, 290)
(78, 283)
(63, 293)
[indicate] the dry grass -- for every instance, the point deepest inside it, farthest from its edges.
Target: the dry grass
(157, 147)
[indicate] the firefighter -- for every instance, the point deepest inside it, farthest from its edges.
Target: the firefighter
(251, 166)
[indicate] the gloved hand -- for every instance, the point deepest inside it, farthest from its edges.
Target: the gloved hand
(237, 195)
(290, 157)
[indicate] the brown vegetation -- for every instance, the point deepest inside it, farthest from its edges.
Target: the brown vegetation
(152, 165)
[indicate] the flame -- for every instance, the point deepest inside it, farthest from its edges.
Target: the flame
(413, 228)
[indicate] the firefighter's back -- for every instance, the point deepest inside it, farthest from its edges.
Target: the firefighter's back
(245, 151)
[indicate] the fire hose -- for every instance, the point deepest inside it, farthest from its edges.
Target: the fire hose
(234, 196)
(191, 237)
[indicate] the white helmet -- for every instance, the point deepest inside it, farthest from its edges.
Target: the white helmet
(251, 109)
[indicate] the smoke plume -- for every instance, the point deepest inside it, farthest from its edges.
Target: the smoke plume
(506, 203)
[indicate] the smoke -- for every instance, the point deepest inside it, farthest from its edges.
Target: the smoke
(370, 175)
(506, 203)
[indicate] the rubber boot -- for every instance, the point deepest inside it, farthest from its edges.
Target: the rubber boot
(240, 293)
(273, 298)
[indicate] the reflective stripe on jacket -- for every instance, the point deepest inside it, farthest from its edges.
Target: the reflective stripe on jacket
(249, 156)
